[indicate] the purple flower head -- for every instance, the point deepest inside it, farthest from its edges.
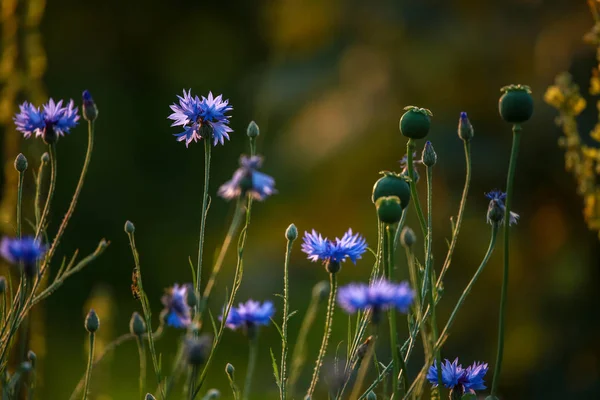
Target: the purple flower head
(247, 179)
(378, 295)
(50, 122)
(404, 166)
(194, 113)
(26, 250)
(497, 199)
(455, 376)
(177, 311)
(249, 314)
(350, 246)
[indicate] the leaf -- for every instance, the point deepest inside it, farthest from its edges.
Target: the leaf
(193, 271)
(278, 328)
(275, 369)
(214, 325)
(292, 314)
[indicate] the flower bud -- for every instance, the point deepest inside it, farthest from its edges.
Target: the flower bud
(321, 291)
(415, 122)
(291, 233)
(429, 157)
(137, 326)
(89, 109)
(149, 397)
(45, 158)
(407, 237)
(129, 227)
(371, 396)
(465, 129)
(32, 357)
(92, 323)
(190, 297)
(2, 284)
(389, 209)
(212, 394)
(391, 184)
(21, 163)
(495, 213)
(197, 349)
(516, 104)
(252, 130)
(230, 371)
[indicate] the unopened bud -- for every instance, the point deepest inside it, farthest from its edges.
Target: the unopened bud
(465, 129)
(2, 284)
(45, 158)
(149, 397)
(21, 163)
(252, 130)
(137, 326)
(190, 297)
(371, 396)
(230, 371)
(407, 237)
(32, 357)
(92, 323)
(321, 291)
(197, 349)
(129, 227)
(291, 233)
(89, 109)
(428, 156)
(212, 394)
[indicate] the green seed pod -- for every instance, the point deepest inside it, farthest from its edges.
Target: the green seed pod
(92, 322)
(21, 163)
(516, 104)
(391, 184)
(2, 284)
(291, 233)
(137, 326)
(129, 227)
(429, 156)
(407, 237)
(149, 397)
(415, 122)
(389, 209)
(321, 291)
(252, 131)
(371, 396)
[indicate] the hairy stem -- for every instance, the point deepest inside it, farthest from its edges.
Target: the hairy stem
(207, 149)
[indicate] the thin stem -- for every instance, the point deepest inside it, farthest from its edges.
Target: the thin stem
(388, 246)
(461, 211)
(399, 229)
(19, 203)
(207, 148)
(192, 382)
(504, 294)
(142, 355)
(410, 147)
(252, 353)
(284, 325)
(88, 373)
(38, 191)
(364, 367)
(326, 333)
(299, 354)
(53, 167)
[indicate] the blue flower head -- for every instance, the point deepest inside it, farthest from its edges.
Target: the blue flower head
(350, 246)
(377, 296)
(249, 315)
(194, 113)
(50, 122)
(177, 311)
(454, 376)
(26, 251)
(247, 179)
(497, 209)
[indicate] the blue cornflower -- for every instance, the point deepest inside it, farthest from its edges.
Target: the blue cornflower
(250, 315)
(27, 250)
(192, 113)
(52, 121)
(496, 208)
(177, 311)
(350, 246)
(247, 179)
(455, 377)
(379, 295)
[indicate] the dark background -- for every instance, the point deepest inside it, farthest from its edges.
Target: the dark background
(326, 81)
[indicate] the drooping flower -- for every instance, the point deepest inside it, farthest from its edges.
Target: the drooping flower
(194, 113)
(350, 246)
(247, 179)
(250, 315)
(496, 208)
(177, 311)
(26, 250)
(379, 295)
(49, 122)
(404, 165)
(455, 377)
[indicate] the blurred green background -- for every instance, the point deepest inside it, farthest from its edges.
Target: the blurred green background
(326, 81)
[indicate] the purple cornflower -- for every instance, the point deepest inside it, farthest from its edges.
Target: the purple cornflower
(379, 295)
(247, 179)
(177, 311)
(496, 208)
(193, 113)
(26, 250)
(250, 315)
(350, 246)
(404, 166)
(52, 121)
(455, 377)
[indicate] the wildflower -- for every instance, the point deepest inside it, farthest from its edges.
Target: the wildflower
(247, 179)
(194, 113)
(89, 109)
(455, 377)
(176, 312)
(404, 166)
(52, 121)
(332, 253)
(27, 251)
(249, 315)
(465, 129)
(379, 295)
(496, 209)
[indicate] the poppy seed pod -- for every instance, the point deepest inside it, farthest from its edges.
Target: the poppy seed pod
(391, 184)
(389, 209)
(516, 104)
(415, 122)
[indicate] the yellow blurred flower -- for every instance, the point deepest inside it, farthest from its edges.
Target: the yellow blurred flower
(554, 97)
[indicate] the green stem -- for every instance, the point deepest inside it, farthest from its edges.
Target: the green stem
(192, 382)
(53, 167)
(364, 367)
(88, 373)
(461, 211)
(388, 246)
(399, 229)
(207, 148)
(142, 355)
(299, 353)
(284, 325)
(504, 294)
(326, 333)
(252, 353)
(38, 191)
(19, 203)
(410, 148)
